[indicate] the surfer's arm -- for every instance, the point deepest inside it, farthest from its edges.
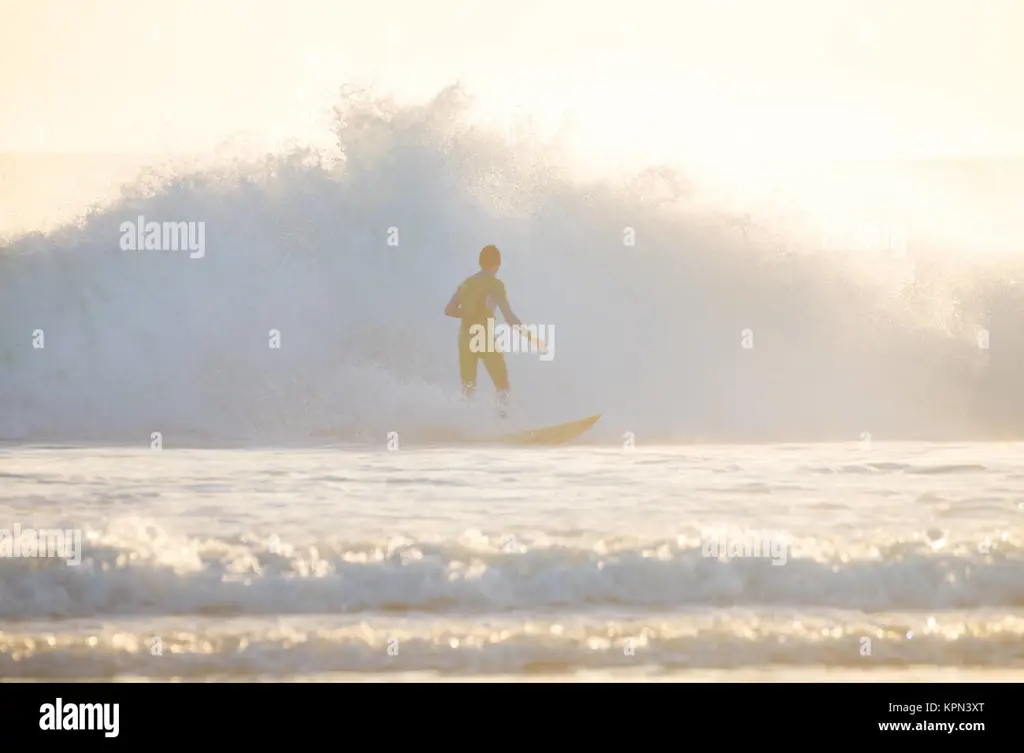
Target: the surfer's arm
(506, 311)
(454, 307)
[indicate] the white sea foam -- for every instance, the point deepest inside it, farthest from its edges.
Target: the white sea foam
(248, 564)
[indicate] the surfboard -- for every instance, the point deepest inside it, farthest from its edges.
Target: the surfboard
(548, 435)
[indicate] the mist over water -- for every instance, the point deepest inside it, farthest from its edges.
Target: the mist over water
(652, 334)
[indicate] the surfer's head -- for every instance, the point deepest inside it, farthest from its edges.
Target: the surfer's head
(490, 259)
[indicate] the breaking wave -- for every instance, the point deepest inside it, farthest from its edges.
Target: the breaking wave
(693, 332)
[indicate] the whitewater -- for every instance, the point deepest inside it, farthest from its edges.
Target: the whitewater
(252, 512)
(573, 563)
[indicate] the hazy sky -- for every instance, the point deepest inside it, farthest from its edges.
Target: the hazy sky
(718, 79)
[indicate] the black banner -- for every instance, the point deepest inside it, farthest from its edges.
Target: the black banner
(127, 715)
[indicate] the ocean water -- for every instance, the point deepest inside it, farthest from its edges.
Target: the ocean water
(590, 562)
(280, 534)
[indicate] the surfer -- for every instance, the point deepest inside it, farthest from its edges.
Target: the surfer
(474, 302)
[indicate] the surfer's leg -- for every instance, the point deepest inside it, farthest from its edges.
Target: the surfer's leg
(467, 367)
(494, 362)
(496, 369)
